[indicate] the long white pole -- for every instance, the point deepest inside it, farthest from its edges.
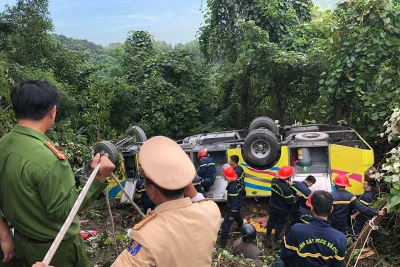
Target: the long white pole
(127, 195)
(71, 216)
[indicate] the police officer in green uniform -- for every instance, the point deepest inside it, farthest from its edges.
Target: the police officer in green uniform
(37, 189)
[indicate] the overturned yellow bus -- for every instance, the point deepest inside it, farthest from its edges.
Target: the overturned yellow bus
(323, 151)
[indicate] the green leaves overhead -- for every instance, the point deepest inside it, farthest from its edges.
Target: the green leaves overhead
(363, 63)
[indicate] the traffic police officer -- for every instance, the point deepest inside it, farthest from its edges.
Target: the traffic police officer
(179, 228)
(236, 196)
(280, 201)
(37, 183)
(244, 246)
(207, 170)
(342, 200)
(317, 243)
(367, 198)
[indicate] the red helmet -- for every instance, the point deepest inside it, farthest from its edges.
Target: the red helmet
(342, 180)
(229, 173)
(308, 203)
(202, 153)
(285, 172)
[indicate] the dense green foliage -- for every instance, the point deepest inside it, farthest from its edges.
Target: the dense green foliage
(285, 59)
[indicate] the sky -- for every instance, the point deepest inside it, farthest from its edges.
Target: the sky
(109, 21)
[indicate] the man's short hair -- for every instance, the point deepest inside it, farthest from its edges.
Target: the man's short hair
(169, 194)
(322, 202)
(235, 158)
(371, 182)
(311, 179)
(33, 99)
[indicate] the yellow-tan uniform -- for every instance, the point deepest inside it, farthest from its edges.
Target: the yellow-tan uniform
(179, 234)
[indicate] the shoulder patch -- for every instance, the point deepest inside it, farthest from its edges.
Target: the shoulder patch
(56, 151)
(143, 222)
(134, 247)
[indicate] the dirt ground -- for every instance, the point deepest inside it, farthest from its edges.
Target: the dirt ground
(102, 249)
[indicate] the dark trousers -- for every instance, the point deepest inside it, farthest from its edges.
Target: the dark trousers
(359, 224)
(206, 185)
(340, 226)
(294, 211)
(276, 220)
(226, 225)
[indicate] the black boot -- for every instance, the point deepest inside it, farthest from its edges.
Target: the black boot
(221, 244)
(277, 236)
(268, 233)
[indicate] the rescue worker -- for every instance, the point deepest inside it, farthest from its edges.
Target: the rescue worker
(197, 184)
(305, 214)
(244, 244)
(234, 162)
(37, 185)
(317, 243)
(236, 197)
(180, 233)
(304, 188)
(144, 199)
(367, 198)
(280, 201)
(196, 181)
(207, 170)
(342, 201)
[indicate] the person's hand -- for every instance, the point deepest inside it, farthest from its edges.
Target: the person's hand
(106, 167)
(353, 217)
(7, 246)
(382, 212)
(230, 218)
(40, 264)
(299, 194)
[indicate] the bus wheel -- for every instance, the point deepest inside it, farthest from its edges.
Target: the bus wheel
(136, 133)
(108, 149)
(260, 147)
(263, 123)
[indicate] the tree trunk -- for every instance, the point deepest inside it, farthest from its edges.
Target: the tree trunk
(339, 109)
(246, 114)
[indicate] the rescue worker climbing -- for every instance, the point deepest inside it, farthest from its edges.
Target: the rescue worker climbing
(280, 201)
(235, 202)
(367, 198)
(207, 170)
(342, 200)
(244, 244)
(317, 243)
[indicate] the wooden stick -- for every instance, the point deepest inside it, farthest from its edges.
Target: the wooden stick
(127, 195)
(111, 220)
(56, 243)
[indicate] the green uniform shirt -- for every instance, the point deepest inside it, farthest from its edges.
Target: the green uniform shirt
(37, 188)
